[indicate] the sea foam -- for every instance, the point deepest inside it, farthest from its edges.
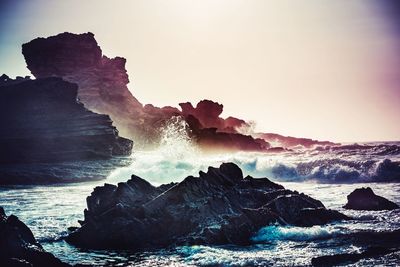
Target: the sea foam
(178, 157)
(280, 233)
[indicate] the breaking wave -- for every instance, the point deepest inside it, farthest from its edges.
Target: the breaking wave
(178, 157)
(280, 233)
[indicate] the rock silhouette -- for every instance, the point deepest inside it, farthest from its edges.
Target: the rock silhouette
(103, 88)
(46, 124)
(18, 246)
(218, 207)
(365, 199)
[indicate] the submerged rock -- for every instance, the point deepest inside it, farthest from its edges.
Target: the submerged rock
(218, 207)
(365, 199)
(18, 246)
(45, 123)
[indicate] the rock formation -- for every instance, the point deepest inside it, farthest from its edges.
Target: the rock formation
(45, 124)
(102, 82)
(218, 207)
(103, 88)
(208, 114)
(18, 246)
(365, 199)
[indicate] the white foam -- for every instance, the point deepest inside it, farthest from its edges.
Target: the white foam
(280, 233)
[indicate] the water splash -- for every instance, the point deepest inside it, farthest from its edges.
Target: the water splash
(176, 143)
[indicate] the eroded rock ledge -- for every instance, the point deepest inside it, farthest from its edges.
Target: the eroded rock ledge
(218, 207)
(44, 123)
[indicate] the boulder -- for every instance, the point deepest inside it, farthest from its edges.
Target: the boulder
(18, 246)
(365, 199)
(218, 207)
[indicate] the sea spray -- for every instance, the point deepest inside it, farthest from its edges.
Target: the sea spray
(175, 158)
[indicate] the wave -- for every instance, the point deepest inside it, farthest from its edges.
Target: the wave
(178, 157)
(291, 233)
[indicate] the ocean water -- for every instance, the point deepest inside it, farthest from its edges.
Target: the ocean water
(50, 210)
(326, 174)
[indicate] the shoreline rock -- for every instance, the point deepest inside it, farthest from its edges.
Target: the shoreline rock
(103, 87)
(18, 246)
(47, 125)
(218, 207)
(365, 199)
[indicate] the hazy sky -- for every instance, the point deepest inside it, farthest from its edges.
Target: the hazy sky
(321, 69)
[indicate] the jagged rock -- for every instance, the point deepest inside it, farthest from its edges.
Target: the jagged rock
(365, 199)
(103, 88)
(102, 82)
(46, 124)
(18, 246)
(218, 207)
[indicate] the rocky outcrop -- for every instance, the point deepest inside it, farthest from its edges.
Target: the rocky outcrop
(46, 124)
(208, 114)
(103, 88)
(211, 139)
(218, 207)
(102, 82)
(18, 246)
(365, 199)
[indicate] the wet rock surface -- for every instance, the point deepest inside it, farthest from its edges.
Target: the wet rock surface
(18, 246)
(365, 199)
(218, 207)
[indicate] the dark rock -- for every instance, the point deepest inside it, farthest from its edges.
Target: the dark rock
(46, 124)
(102, 82)
(365, 199)
(18, 246)
(218, 207)
(211, 139)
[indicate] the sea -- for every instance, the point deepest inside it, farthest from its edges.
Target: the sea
(328, 174)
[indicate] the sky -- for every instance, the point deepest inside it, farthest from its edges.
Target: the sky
(322, 69)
